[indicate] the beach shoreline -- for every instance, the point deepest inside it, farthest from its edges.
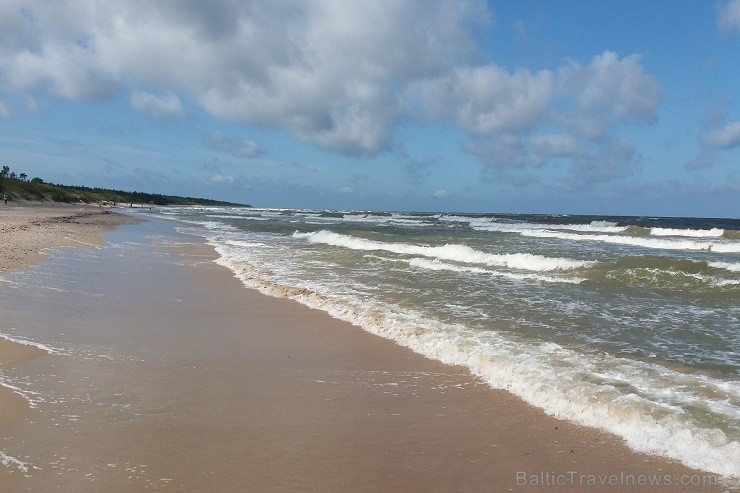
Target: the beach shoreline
(310, 402)
(29, 230)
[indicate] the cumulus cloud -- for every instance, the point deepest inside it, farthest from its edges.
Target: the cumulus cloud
(729, 16)
(488, 98)
(606, 93)
(718, 135)
(582, 106)
(326, 71)
(554, 145)
(505, 150)
(242, 148)
(725, 137)
(340, 75)
(221, 179)
(164, 106)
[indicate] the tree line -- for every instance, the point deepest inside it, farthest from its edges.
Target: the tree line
(18, 186)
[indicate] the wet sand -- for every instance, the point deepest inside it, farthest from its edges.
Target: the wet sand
(27, 231)
(171, 375)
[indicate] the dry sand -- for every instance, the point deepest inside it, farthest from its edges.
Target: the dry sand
(235, 391)
(27, 228)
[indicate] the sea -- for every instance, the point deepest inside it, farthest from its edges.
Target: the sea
(627, 324)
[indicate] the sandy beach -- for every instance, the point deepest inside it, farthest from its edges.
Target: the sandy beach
(28, 228)
(169, 374)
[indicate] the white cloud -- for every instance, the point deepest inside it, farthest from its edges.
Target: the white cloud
(582, 107)
(554, 145)
(242, 148)
(340, 75)
(729, 16)
(4, 110)
(326, 71)
(164, 106)
(607, 92)
(506, 150)
(221, 179)
(440, 194)
(67, 70)
(486, 99)
(725, 137)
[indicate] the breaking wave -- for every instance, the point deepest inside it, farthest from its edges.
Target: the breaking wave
(453, 252)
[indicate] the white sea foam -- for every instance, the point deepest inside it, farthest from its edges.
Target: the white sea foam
(584, 388)
(377, 220)
(496, 225)
(32, 397)
(680, 279)
(721, 246)
(692, 233)
(608, 232)
(12, 462)
(245, 244)
(434, 264)
(29, 342)
(212, 225)
(453, 252)
(731, 266)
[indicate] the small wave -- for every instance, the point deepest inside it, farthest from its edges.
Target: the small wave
(210, 225)
(454, 252)
(692, 233)
(245, 244)
(437, 265)
(675, 280)
(381, 220)
(645, 242)
(29, 342)
(494, 225)
(731, 266)
(32, 397)
(227, 216)
(673, 273)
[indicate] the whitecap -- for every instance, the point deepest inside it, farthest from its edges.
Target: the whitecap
(454, 252)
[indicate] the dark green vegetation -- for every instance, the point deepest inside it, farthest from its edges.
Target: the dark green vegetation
(18, 186)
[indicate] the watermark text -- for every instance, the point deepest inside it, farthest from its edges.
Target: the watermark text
(622, 479)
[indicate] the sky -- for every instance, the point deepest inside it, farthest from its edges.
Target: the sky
(572, 107)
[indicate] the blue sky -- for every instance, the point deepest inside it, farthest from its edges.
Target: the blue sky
(604, 107)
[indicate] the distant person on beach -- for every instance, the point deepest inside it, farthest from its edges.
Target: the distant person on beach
(5, 198)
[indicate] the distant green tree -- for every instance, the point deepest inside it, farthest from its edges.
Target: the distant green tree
(5, 171)
(23, 176)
